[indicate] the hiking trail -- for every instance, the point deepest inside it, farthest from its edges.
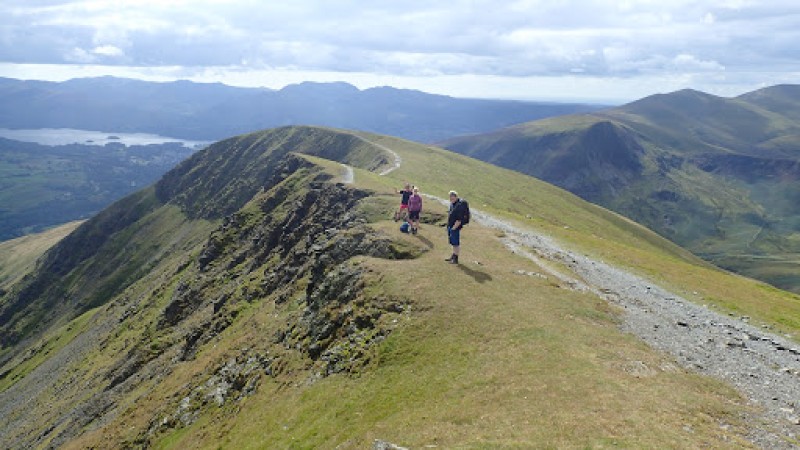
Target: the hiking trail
(763, 366)
(397, 160)
(349, 176)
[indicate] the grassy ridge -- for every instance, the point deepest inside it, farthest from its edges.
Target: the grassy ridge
(491, 359)
(494, 360)
(591, 229)
(485, 358)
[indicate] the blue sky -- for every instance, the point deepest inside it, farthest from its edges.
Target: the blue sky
(596, 50)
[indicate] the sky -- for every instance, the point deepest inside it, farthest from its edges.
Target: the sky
(564, 50)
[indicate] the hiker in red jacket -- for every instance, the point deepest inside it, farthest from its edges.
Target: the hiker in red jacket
(414, 208)
(403, 211)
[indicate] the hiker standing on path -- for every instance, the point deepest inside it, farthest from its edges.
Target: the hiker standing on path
(414, 208)
(403, 211)
(456, 218)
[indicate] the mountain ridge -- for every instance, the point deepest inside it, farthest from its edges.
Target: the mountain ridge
(279, 305)
(210, 111)
(712, 171)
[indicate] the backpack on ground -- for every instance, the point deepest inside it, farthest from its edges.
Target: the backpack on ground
(404, 227)
(467, 214)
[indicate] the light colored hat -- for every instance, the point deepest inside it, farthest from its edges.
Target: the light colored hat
(454, 193)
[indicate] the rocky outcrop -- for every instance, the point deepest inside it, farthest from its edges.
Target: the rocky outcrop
(294, 243)
(291, 247)
(234, 380)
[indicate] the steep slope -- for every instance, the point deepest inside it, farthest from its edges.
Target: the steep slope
(104, 255)
(282, 308)
(213, 111)
(718, 176)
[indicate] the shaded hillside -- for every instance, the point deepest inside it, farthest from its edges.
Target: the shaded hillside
(251, 298)
(719, 176)
(214, 111)
(42, 186)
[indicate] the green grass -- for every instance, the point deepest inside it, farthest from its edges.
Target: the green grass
(704, 171)
(507, 362)
(589, 229)
(18, 256)
(486, 358)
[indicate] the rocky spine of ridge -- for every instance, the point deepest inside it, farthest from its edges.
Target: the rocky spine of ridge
(105, 255)
(291, 246)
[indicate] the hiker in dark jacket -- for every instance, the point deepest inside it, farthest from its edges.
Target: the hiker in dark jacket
(414, 209)
(403, 211)
(455, 219)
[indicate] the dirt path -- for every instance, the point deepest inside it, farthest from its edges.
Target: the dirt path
(397, 160)
(349, 175)
(763, 366)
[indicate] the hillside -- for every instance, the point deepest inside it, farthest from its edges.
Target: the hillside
(251, 298)
(42, 186)
(18, 256)
(201, 111)
(718, 176)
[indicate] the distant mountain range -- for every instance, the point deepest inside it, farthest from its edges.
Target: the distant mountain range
(719, 176)
(188, 110)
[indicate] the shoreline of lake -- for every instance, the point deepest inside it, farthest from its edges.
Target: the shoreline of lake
(66, 136)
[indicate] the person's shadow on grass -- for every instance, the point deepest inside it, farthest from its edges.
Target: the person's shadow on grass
(480, 277)
(424, 240)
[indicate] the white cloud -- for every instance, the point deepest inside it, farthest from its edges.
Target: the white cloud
(79, 55)
(690, 63)
(108, 50)
(608, 39)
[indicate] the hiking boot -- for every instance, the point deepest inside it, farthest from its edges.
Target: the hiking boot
(454, 259)
(413, 231)
(450, 259)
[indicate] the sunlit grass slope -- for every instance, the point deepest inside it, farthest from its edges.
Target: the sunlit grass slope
(490, 359)
(484, 357)
(17, 256)
(494, 359)
(590, 229)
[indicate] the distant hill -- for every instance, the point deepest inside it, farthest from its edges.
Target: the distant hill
(200, 111)
(720, 176)
(43, 186)
(252, 298)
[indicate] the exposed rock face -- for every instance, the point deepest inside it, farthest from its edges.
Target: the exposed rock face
(291, 246)
(236, 379)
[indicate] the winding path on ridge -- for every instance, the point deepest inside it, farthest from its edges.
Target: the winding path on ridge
(349, 175)
(397, 160)
(763, 366)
